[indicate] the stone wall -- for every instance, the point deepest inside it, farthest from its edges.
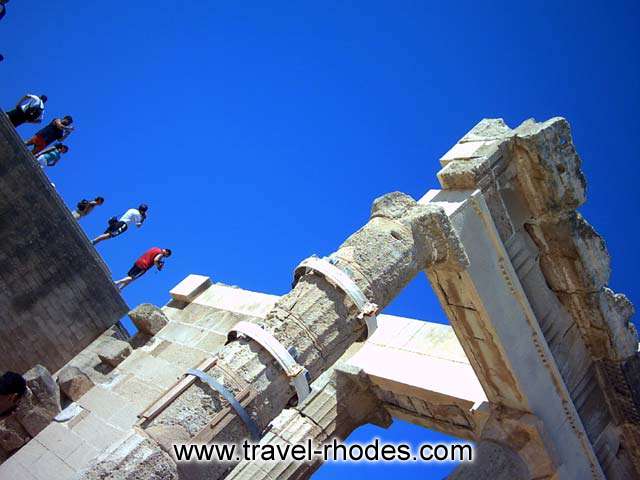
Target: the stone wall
(57, 295)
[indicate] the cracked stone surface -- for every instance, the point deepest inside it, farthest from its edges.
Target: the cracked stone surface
(401, 239)
(532, 181)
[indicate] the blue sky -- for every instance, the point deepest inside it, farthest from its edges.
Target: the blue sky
(260, 132)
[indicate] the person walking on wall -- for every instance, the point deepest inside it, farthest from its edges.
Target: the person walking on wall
(153, 256)
(29, 109)
(117, 226)
(51, 156)
(84, 207)
(58, 129)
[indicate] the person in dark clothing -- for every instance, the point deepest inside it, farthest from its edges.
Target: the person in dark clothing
(12, 387)
(29, 109)
(3, 10)
(58, 129)
(85, 207)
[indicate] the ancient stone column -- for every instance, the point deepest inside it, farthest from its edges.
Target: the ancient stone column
(336, 406)
(401, 239)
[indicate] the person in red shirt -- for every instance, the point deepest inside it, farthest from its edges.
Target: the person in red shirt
(153, 256)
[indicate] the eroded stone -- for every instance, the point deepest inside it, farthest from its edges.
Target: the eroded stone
(148, 318)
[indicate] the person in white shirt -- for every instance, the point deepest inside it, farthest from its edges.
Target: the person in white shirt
(29, 109)
(117, 226)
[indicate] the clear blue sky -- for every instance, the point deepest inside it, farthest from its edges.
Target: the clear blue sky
(259, 134)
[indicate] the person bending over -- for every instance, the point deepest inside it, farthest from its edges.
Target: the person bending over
(84, 207)
(58, 129)
(153, 256)
(29, 109)
(117, 226)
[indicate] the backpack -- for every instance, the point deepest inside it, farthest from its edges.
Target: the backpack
(82, 204)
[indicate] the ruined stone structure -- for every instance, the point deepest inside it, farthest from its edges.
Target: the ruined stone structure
(57, 295)
(539, 368)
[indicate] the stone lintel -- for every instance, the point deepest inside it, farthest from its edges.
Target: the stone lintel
(497, 328)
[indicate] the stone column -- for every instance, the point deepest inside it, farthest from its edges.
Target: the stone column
(401, 239)
(336, 407)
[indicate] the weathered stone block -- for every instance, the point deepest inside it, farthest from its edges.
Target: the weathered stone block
(33, 416)
(43, 386)
(12, 434)
(189, 288)
(74, 382)
(41, 402)
(135, 458)
(114, 352)
(148, 318)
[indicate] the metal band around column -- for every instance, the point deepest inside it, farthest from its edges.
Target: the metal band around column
(296, 373)
(229, 397)
(343, 281)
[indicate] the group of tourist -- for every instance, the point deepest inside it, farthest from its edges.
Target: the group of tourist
(30, 109)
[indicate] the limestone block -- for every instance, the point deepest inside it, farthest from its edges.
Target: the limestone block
(138, 392)
(74, 382)
(101, 402)
(179, 355)
(59, 440)
(50, 467)
(148, 318)
(464, 151)
(617, 311)
(189, 288)
(33, 416)
(41, 402)
(233, 299)
(114, 352)
(12, 434)
(180, 333)
(136, 457)
(97, 433)
(12, 469)
(43, 386)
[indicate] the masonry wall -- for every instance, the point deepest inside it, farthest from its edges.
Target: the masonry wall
(56, 294)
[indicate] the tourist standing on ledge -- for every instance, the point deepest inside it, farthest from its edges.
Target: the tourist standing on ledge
(12, 387)
(29, 109)
(57, 130)
(50, 156)
(153, 256)
(84, 207)
(117, 227)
